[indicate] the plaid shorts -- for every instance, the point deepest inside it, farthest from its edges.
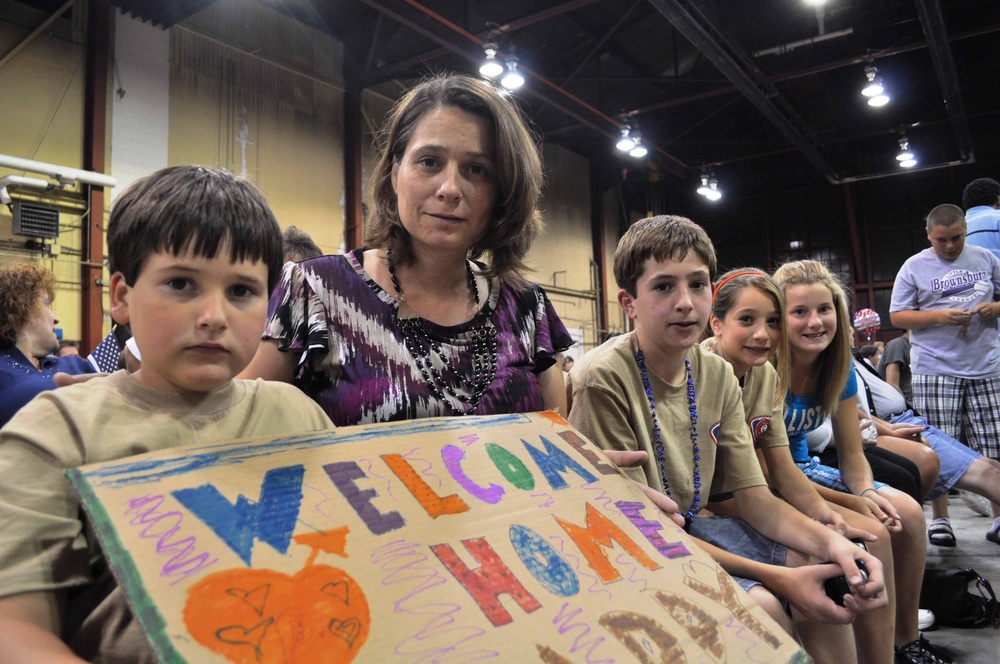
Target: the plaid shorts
(967, 409)
(826, 476)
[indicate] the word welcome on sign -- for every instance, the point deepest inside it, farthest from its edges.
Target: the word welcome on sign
(452, 539)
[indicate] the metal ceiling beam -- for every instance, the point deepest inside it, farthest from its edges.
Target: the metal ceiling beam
(932, 21)
(463, 52)
(747, 79)
(9, 55)
(607, 122)
(516, 24)
(544, 15)
(808, 71)
(601, 41)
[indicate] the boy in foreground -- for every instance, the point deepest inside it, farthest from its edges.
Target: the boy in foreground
(656, 390)
(194, 254)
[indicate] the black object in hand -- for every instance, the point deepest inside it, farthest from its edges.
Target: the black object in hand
(836, 587)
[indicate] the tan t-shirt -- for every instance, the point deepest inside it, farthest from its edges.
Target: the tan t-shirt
(764, 414)
(45, 543)
(611, 408)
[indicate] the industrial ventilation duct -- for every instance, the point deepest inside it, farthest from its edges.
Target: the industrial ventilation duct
(33, 220)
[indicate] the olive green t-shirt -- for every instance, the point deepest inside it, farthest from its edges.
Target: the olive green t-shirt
(45, 542)
(611, 408)
(764, 413)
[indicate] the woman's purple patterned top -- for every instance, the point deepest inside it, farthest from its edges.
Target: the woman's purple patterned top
(354, 360)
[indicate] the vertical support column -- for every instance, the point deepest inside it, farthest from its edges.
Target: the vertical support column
(95, 141)
(353, 137)
(768, 258)
(597, 234)
(861, 275)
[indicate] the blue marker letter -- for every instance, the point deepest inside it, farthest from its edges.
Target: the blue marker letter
(553, 461)
(270, 520)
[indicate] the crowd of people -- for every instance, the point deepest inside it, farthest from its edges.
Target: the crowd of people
(434, 317)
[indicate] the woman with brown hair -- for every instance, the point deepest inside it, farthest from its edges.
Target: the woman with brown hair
(434, 316)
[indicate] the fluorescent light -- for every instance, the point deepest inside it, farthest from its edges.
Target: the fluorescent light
(908, 163)
(879, 100)
(904, 156)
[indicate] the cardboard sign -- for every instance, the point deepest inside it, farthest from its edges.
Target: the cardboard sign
(508, 538)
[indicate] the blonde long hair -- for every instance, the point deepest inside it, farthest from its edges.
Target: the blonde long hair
(734, 282)
(834, 363)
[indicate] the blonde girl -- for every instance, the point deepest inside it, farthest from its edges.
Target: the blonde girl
(821, 383)
(748, 324)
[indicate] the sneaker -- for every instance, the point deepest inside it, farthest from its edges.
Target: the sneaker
(921, 652)
(925, 619)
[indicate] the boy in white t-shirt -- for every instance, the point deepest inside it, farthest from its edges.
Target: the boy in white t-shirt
(946, 296)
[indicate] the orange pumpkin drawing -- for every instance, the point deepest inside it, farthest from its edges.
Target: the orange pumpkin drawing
(260, 616)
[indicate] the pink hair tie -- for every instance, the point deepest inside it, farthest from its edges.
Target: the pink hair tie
(741, 273)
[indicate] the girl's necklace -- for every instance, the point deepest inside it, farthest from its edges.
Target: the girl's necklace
(640, 360)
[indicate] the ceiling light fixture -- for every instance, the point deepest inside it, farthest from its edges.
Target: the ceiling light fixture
(703, 189)
(512, 80)
(709, 187)
(906, 158)
(625, 143)
(638, 150)
(878, 100)
(874, 89)
(491, 68)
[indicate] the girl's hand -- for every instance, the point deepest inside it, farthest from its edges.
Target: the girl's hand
(888, 515)
(833, 520)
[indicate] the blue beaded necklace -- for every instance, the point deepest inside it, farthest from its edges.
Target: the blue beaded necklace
(640, 360)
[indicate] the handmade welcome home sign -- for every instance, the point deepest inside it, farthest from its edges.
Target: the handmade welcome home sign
(506, 538)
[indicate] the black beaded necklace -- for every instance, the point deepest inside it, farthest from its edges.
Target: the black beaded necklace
(423, 347)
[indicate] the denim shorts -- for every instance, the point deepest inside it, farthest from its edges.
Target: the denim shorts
(955, 457)
(826, 476)
(735, 535)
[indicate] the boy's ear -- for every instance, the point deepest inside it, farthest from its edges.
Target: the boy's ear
(628, 304)
(716, 324)
(119, 294)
